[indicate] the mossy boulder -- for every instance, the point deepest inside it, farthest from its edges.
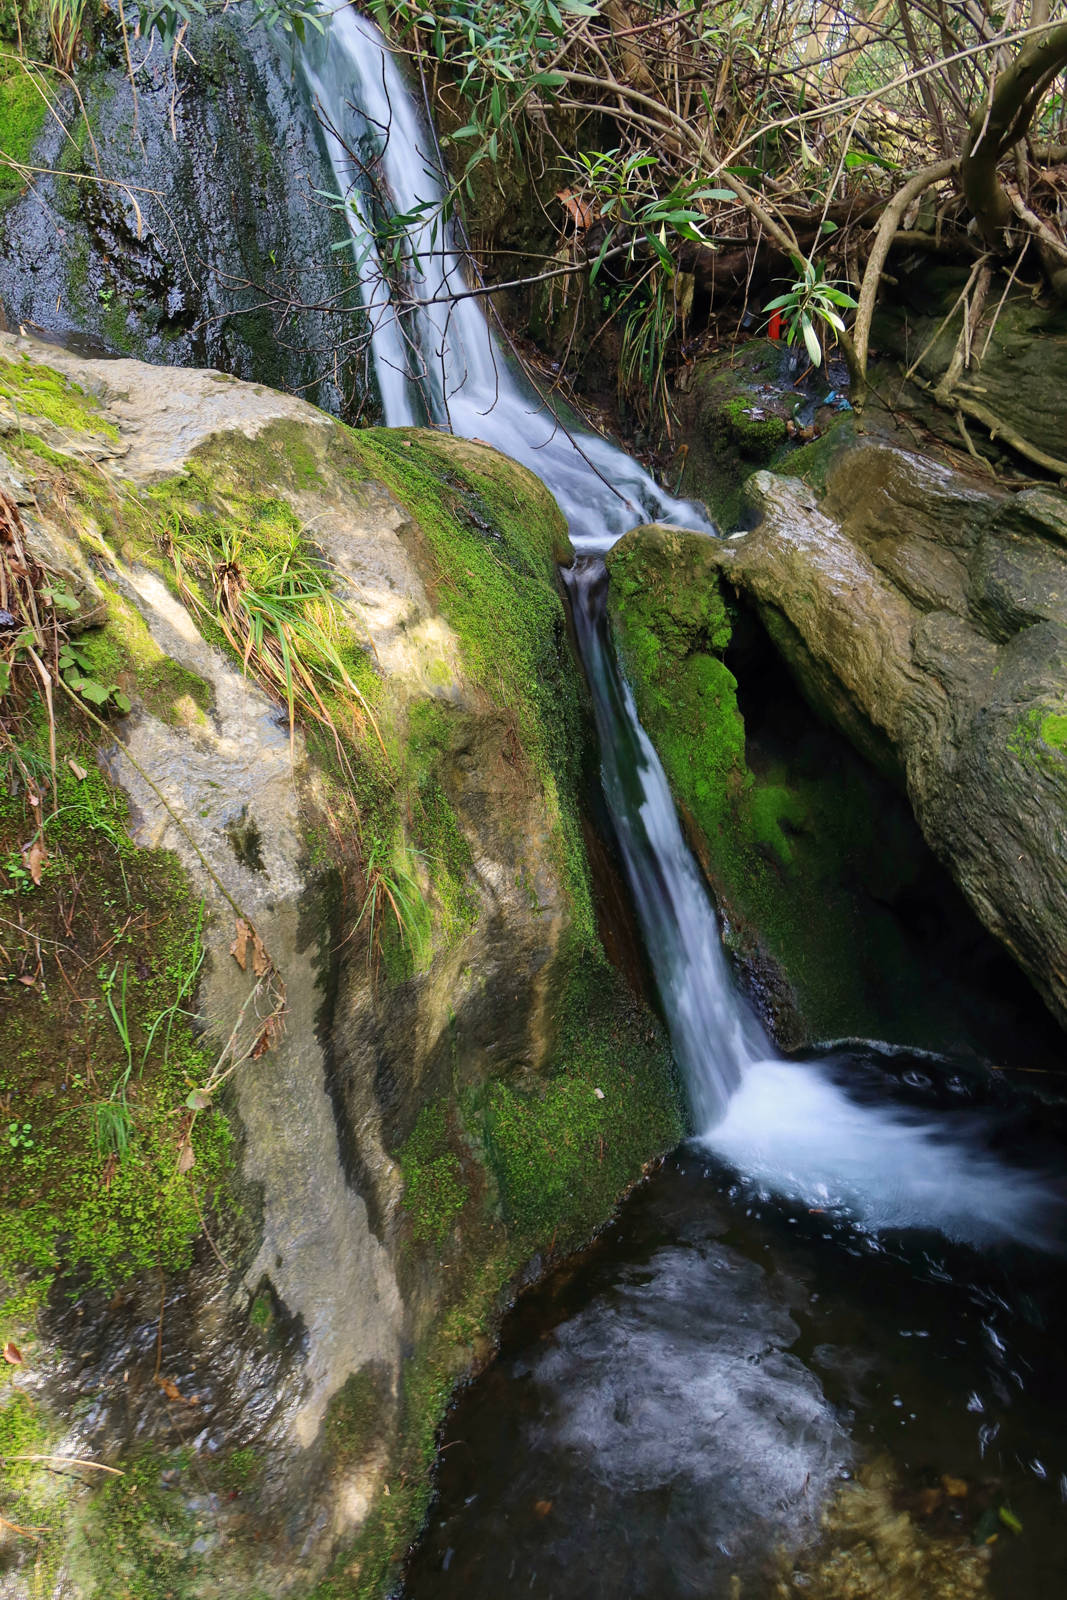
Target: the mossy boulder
(735, 412)
(308, 1040)
(926, 613)
(813, 859)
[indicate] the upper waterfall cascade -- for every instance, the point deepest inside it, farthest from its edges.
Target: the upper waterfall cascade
(790, 1128)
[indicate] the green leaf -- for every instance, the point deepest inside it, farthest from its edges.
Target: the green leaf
(867, 158)
(90, 690)
(5, 677)
(1009, 1519)
(122, 701)
(828, 227)
(811, 339)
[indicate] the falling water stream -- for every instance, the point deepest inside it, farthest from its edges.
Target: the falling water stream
(687, 1386)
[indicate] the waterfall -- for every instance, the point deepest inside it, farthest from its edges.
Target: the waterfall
(789, 1129)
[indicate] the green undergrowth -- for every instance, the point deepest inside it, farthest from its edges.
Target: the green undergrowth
(804, 870)
(97, 1052)
(218, 525)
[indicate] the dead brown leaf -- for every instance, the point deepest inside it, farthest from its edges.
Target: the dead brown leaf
(186, 1158)
(34, 858)
(12, 1354)
(239, 947)
(270, 1031)
(77, 769)
(170, 1388)
(261, 961)
(578, 210)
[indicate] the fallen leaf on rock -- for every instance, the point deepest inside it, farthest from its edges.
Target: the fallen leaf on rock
(955, 1488)
(170, 1388)
(239, 947)
(271, 1029)
(34, 858)
(12, 1354)
(261, 962)
(542, 1508)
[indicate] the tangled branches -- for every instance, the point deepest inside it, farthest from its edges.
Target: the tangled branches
(724, 145)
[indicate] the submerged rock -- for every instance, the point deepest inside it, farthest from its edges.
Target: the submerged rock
(307, 1014)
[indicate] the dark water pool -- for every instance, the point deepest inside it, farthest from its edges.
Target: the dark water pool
(729, 1396)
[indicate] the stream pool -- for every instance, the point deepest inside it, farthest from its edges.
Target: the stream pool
(733, 1395)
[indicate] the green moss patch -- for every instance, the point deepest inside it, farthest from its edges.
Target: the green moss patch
(96, 1051)
(39, 391)
(434, 1190)
(23, 109)
(562, 1152)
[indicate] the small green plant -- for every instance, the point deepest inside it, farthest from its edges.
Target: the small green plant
(185, 973)
(19, 1135)
(811, 300)
(392, 886)
(113, 1128)
(278, 611)
(76, 668)
(64, 30)
(18, 879)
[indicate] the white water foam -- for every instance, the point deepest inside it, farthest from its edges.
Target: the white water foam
(794, 1132)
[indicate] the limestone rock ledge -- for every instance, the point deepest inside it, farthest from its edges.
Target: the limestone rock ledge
(461, 1082)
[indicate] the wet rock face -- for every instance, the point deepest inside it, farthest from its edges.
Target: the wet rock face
(207, 212)
(928, 616)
